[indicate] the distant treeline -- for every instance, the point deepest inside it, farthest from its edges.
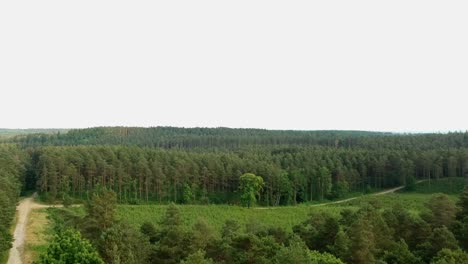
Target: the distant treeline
(220, 138)
(6, 132)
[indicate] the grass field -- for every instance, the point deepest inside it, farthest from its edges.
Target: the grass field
(414, 202)
(216, 215)
(38, 234)
(445, 185)
(289, 216)
(286, 217)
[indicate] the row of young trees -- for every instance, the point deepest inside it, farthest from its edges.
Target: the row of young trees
(12, 166)
(291, 175)
(369, 234)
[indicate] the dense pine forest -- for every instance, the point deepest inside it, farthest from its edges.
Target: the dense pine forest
(165, 165)
(221, 138)
(15, 132)
(12, 169)
(292, 175)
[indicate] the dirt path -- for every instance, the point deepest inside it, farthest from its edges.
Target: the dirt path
(354, 198)
(24, 208)
(350, 199)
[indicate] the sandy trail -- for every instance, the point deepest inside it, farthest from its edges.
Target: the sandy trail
(353, 198)
(24, 208)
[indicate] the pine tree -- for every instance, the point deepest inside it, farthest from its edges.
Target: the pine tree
(463, 204)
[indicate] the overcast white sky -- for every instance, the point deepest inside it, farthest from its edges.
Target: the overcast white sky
(367, 65)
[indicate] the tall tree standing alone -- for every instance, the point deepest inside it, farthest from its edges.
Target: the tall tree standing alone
(250, 186)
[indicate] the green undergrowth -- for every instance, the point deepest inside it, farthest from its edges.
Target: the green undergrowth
(217, 215)
(414, 202)
(283, 216)
(443, 185)
(3, 257)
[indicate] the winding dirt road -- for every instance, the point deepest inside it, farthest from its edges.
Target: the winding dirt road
(24, 208)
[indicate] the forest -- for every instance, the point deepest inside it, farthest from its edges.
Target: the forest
(232, 138)
(369, 234)
(12, 169)
(292, 175)
(176, 167)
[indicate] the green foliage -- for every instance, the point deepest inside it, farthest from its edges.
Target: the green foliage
(188, 194)
(169, 137)
(410, 183)
(450, 185)
(149, 230)
(172, 218)
(439, 239)
(230, 229)
(291, 175)
(69, 248)
(12, 166)
(202, 235)
(197, 258)
(117, 242)
(399, 253)
(100, 213)
(340, 247)
(362, 242)
(388, 233)
(463, 204)
(323, 258)
(67, 200)
(250, 186)
(216, 215)
(460, 230)
(325, 182)
(296, 253)
(195, 166)
(252, 248)
(318, 231)
(340, 189)
(173, 242)
(448, 256)
(122, 244)
(442, 211)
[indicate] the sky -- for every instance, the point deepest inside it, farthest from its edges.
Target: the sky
(308, 65)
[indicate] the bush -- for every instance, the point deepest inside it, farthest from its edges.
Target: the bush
(68, 247)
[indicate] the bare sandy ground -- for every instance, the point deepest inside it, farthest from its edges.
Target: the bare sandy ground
(24, 208)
